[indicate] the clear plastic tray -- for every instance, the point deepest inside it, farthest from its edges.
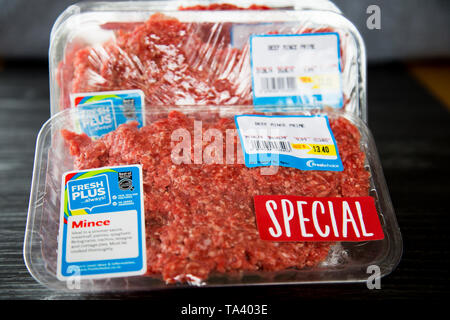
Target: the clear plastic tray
(346, 261)
(94, 25)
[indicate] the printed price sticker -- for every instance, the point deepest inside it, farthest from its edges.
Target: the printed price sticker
(302, 142)
(296, 70)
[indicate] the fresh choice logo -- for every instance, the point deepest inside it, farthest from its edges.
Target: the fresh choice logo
(310, 163)
(88, 193)
(313, 164)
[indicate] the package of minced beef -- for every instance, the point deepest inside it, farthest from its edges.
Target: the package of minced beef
(207, 143)
(207, 196)
(302, 54)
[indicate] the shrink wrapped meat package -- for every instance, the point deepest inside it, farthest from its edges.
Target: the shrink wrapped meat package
(207, 143)
(200, 222)
(192, 56)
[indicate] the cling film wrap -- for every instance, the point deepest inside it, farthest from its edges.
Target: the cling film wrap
(188, 55)
(200, 223)
(126, 77)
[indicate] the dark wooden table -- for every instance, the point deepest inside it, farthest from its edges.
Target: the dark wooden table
(412, 132)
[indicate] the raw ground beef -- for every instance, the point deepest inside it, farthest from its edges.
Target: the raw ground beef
(225, 6)
(200, 217)
(172, 62)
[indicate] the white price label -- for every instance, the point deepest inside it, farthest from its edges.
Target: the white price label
(300, 69)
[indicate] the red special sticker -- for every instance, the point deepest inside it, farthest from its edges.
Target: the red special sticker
(294, 218)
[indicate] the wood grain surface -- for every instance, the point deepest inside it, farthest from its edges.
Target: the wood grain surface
(412, 133)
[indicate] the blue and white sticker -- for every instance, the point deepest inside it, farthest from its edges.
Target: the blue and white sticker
(302, 142)
(296, 70)
(102, 227)
(103, 112)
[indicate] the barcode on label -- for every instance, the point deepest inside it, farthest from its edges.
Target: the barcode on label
(273, 84)
(269, 145)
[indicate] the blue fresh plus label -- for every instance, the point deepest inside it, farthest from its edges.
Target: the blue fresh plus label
(102, 229)
(302, 142)
(296, 70)
(88, 193)
(103, 112)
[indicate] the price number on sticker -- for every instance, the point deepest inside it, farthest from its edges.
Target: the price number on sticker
(316, 149)
(321, 149)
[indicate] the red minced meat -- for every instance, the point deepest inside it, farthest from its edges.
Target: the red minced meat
(200, 217)
(172, 62)
(225, 6)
